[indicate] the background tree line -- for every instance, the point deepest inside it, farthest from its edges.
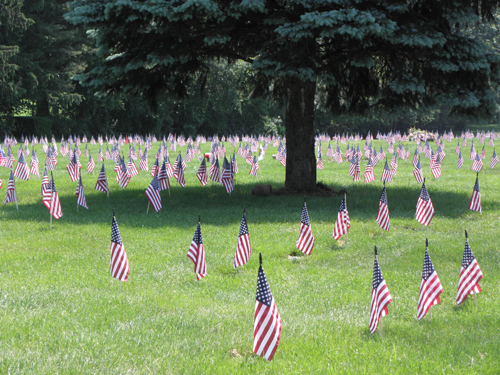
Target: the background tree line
(40, 53)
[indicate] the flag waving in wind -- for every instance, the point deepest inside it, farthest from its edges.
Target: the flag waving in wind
(243, 248)
(470, 274)
(305, 242)
(119, 262)
(267, 320)
(197, 254)
(430, 286)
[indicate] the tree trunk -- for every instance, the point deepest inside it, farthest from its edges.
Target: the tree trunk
(300, 158)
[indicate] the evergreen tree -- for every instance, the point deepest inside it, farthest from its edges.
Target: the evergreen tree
(364, 55)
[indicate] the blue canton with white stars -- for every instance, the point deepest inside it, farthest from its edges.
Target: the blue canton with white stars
(424, 194)
(115, 233)
(383, 197)
(264, 295)
(377, 275)
(476, 186)
(197, 235)
(428, 267)
(243, 226)
(304, 218)
(468, 256)
(342, 205)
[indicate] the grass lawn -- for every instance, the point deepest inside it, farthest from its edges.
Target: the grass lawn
(61, 312)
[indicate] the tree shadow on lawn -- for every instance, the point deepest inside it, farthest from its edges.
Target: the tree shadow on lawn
(216, 207)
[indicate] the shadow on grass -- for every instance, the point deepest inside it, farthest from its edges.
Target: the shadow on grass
(216, 207)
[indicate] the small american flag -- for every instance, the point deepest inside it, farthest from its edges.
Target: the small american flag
(202, 173)
(319, 164)
(51, 199)
(305, 242)
(417, 172)
(163, 180)
(255, 167)
(425, 209)
(214, 173)
(73, 169)
(494, 160)
(267, 320)
(243, 248)
(153, 194)
(475, 201)
(380, 296)
(357, 171)
(383, 211)
(430, 287)
(470, 274)
(80, 195)
(415, 158)
(143, 164)
(386, 174)
(369, 176)
(22, 170)
(477, 165)
(34, 164)
(156, 166)
(227, 178)
(197, 254)
(119, 262)
(343, 222)
(11, 190)
(102, 182)
(91, 164)
(394, 164)
(460, 161)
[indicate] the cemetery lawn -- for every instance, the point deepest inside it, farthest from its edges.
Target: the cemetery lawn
(61, 312)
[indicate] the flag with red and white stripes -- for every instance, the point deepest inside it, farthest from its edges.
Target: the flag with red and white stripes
(305, 242)
(197, 254)
(343, 222)
(119, 262)
(368, 174)
(494, 160)
(425, 209)
(383, 211)
(80, 195)
(34, 164)
(22, 170)
(475, 200)
(243, 248)
(51, 199)
(381, 297)
(202, 173)
(11, 190)
(417, 172)
(430, 287)
(386, 174)
(470, 274)
(102, 181)
(267, 320)
(153, 194)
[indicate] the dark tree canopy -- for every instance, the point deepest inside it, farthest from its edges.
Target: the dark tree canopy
(363, 55)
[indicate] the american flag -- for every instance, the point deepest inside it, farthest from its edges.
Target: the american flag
(475, 201)
(91, 164)
(255, 167)
(381, 154)
(102, 182)
(369, 176)
(386, 174)
(319, 164)
(383, 211)
(9, 159)
(483, 154)
(202, 173)
(415, 158)
(227, 178)
(380, 296)
(457, 149)
(80, 195)
(494, 160)
(99, 155)
(51, 199)
(11, 190)
(417, 172)
(214, 173)
(249, 158)
(267, 320)
(34, 164)
(131, 167)
(375, 158)
(305, 242)
(460, 161)
(343, 222)
(329, 151)
(73, 169)
(119, 262)
(425, 209)
(153, 194)
(243, 248)
(357, 171)
(430, 287)
(394, 164)
(436, 168)
(156, 166)
(45, 183)
(352, 166)
(197, 254)
(470, 274)
(163, 180)
(143, 164)
(124, 175)
(477, 165)
(22, 170)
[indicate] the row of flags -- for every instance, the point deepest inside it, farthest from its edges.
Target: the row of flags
(267, 320)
